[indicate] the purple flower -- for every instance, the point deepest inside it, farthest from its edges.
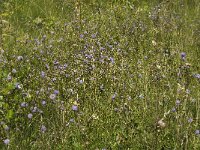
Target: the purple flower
(81, 36)
(42, 74)
(6, 141)
(93, 36)
(30, 116)
(43, 102)
(18, 86)
(43, 129)
(112, 60)
(71, 120)
(74, 107)
(173, 109)
(190, 120)
(81, 81)
(197, 76)
(24, 104)
(114, 95)
(56, 92)
(183, 55)
(34, 109)
(197, 132)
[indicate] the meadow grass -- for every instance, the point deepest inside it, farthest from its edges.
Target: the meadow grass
(98, 74)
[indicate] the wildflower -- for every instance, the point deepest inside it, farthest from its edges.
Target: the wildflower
(56, 92)
(52, 96)
(112, 60)
(42, 74)
(190, 120)
(30, 116)
(71, 120)
(19, 58)
(114, 95)
(93, 36)
(173, 109)
(74, 107)
(197, 76)
(14, 71)
(43, 129)
(24, 104)
(43, 102)
(81, 81)
(183, 55)
(6, 141)
(18, 86)
(81, 36)
(197, 132)
(34, 109)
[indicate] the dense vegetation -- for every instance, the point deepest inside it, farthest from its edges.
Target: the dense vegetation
(99, 74)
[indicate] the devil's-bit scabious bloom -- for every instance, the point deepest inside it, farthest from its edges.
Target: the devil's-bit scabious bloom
(114, 96)
(173, 109)
(24, 104)
(197, 132)
(197, 76)
(74, 107)
(183, 55)
(81, 36)
(42, 74)
(71, 120)
(56, 92)
(6, 141)
(43, 102)
(190, 120)
(30, 116)
(34, 109)
(112, 60)
(43, 129)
